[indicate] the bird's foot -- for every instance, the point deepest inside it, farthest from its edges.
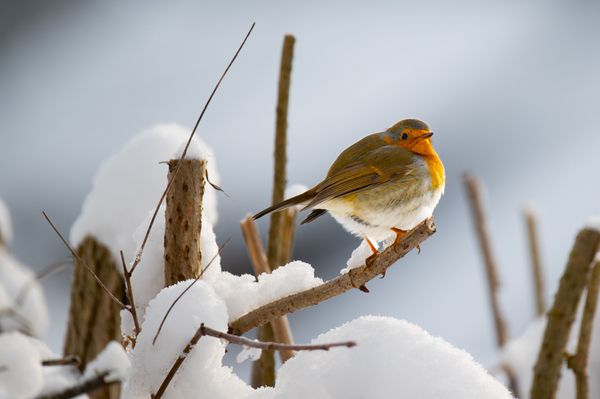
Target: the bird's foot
(375, 251)
(399, 235)
(418, 249)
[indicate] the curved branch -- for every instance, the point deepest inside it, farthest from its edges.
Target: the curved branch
(355, 278)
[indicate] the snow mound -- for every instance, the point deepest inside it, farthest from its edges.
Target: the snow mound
(114, 360)
(128, 185)
(21, 374)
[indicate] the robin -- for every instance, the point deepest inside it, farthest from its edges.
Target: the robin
(385, 184)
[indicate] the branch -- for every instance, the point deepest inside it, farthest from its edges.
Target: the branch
(65, 361)
(131, 308)
(138, 256)
(281, 327)
(86, 386)
(536, 263)
(579, 362)
(562, 315)
(355, 278)
(89, 269)
(203, 330)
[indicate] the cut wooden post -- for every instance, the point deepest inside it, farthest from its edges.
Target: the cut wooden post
(561, 316)
(263, 372)
(183, 221)
(94, 318)
(536, 263)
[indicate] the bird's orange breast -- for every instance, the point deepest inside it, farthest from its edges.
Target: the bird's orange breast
(436, 170)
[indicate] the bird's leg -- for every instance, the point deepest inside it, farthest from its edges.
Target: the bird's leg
(400, 235)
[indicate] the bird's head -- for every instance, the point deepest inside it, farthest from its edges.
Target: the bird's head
(411, 134)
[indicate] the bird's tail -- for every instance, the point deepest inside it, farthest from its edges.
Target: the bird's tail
(297, 200)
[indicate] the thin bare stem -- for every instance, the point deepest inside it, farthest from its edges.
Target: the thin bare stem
(561, 315)
(40, 275)
(129, 287)
(536, 262)
(89, 269)
(355, 278)
(138, 256)
(65, 361)
(234, 339)
(85, 386)
(579, 362)
(162, 322)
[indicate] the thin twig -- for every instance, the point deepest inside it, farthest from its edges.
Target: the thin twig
(355, 278)
(129, 287)
(85, 386)
(562, 315)
(89, 269)
(579, 362)
(536, 263)
(138, 256)
(162, 322)
(40, 275)
(65, 361)
(281, 327)
(206, 331)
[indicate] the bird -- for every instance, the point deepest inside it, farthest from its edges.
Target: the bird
(384, 184)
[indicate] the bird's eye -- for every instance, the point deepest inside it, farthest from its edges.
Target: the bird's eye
(404, 136)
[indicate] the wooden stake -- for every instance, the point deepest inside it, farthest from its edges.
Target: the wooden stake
(184, 220)
(562, 315)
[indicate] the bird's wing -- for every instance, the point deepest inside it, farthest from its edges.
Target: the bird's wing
(382, 165)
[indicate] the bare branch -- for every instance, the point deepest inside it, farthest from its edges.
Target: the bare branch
(89, 269)
(162, 322)
(355, 278)
(536, 262)
(203, 330)
(129, 287)
(562, 315)
(138, 256)
(65, 361)
(85, 386)
(579, 362)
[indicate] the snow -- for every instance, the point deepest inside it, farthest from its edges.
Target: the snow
(113, 359)
(5, 223)
(243, 293)
(129, 184)
(202, 370)
(521, 354)
(393, 358)
(358, 257)
(248, 352)
(594, 223)
(194, 152)
(21, 374)
(14, 276)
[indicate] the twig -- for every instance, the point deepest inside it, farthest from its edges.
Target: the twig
(562, 315)
(86, 386)
(476, 201)
(355, 278)
(39, 275)
(89, 269)
(477, 208)
(536, 263)
(206, 331)
(129, 287)
(162, 322)
(579, 362)
(65, 361)
(138, 256)
(281, 328)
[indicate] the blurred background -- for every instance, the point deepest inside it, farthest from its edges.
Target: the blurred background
(512, 91)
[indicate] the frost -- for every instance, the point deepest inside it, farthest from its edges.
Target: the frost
(114, 360)
(129, 184)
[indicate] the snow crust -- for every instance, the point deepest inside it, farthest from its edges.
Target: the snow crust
(5, 223)
(31, 307)
(129, 184)
(113, 359)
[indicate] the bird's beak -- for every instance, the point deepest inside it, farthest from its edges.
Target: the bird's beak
(426, 135)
